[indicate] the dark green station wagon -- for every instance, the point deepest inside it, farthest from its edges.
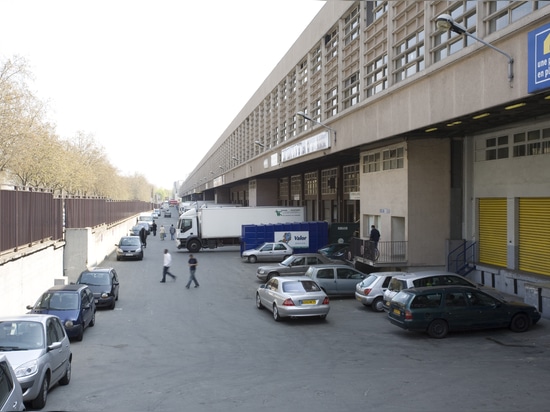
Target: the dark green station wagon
(440, 309)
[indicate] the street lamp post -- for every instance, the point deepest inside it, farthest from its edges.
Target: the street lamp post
(446, 22)
(306, 117)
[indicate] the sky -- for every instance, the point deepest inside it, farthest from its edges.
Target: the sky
(155, 83)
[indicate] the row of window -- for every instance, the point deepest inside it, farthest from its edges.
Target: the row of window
(384, 160)
(374, 45)
(517, 144)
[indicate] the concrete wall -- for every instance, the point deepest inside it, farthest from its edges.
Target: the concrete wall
(88, 247)
(25, 274)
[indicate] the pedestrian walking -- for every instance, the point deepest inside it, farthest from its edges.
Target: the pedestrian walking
(192, 268)
(162, 232)
(172, 232)
(143, 236)
(154, 228)
(166, 266)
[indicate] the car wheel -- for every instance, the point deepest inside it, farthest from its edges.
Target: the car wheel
(276, 315)
(113, 304)
(92, 322)
(252, 259)
(80, 334)
(438, 329)
(378, 305)
(40, 401)
(67, 377)
(118, 258)
(520, 323)
(271, 275)
(258, 301)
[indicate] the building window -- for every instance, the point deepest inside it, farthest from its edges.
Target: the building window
(532, 143)
(492, 148)
(283, 188)
(331, 103)
(409, 56)
(351, 26)
(315, 60)
(446, 43)
(310, 181)
(328, 181)
(377, 75)
(504, 13)
(296, 187)
(331, 44)
(351, 91)
(371, 163)
(351, 178)
(393, 159)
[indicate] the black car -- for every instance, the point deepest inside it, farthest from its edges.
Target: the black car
(338, 251)
(74, 305)
(129, 247)
(104, 284)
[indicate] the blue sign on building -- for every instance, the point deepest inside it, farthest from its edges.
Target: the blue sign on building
(539, 59)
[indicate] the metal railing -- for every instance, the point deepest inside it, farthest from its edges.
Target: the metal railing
(462, 259)
(385, 252)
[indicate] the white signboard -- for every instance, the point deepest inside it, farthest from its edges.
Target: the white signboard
(295, 239)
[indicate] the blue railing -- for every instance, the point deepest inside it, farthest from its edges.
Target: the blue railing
(462, 259)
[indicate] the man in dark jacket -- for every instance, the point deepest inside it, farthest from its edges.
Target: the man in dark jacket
(143, 236)
(374, 236)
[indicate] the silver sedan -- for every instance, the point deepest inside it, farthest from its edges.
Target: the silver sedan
(293, 297)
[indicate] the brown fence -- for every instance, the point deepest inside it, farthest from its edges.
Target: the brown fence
(28, 217)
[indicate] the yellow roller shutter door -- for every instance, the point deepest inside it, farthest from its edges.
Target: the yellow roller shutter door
(534, 235)
(492, 231)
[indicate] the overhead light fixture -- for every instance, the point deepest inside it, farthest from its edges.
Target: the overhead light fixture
(455, 123)
(446, 22)
(306, 117)
(481, 116)
(431, 129)
(515, 106)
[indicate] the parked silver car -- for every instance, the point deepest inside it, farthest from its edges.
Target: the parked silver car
(370, 291)
(336, 279)
(268, 252)
(295, 265)
(11, 395)
(293, 297)
(39, 351)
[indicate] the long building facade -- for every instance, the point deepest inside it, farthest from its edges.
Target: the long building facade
(438, 137)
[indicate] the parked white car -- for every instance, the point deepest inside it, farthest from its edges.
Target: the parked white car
(268, 252)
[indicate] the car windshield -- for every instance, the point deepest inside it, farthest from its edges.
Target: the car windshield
(21, 335)
(58, 301)
(95, 279)
(130, 241)
(300, 286)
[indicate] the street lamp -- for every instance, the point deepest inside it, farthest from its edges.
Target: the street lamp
(257, 142)
(446, 22)
(306, 117)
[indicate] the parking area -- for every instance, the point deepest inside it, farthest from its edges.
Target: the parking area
(168, 348)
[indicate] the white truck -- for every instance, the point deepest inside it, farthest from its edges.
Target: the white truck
(210, 228)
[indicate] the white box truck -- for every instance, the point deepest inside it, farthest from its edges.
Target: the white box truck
(210, 228)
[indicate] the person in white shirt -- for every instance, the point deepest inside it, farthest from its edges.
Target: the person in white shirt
(166, 266)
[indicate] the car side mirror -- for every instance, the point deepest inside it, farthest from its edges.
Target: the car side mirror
(262, 286)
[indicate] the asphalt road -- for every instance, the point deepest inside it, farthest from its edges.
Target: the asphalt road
(168, 348)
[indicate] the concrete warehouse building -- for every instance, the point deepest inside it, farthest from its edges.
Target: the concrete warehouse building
(427, 119)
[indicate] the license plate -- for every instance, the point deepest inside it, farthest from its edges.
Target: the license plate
(129, 254)
(397, 312)
(308, 302)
